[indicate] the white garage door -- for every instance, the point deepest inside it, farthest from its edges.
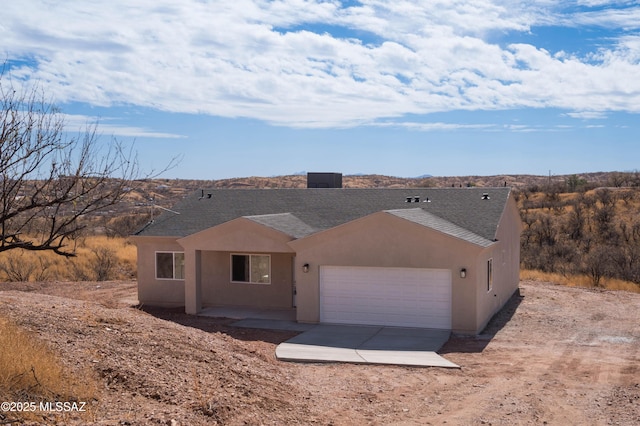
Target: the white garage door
(407, 297)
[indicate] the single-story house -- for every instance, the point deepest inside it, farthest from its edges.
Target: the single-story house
(444, 258)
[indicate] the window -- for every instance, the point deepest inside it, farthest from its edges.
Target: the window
(170, 265)
(489, 274)
(251, 268)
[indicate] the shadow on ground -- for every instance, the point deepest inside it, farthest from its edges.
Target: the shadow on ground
(218, 325)
(457, 343)
(475, 344)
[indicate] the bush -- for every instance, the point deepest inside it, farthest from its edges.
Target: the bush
(21, 266)
(104, 263)
(99, 258)
(595, 234)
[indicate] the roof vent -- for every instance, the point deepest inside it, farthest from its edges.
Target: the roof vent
(324, 180)
(427, 200)
(485, 196)
(416, 199)
(408, 200)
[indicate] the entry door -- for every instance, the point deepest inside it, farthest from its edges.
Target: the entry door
(405, 297)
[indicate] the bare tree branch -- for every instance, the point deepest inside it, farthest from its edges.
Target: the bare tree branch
(50, 180)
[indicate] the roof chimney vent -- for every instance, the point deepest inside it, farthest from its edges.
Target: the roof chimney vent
(485, 196)
(324, 180)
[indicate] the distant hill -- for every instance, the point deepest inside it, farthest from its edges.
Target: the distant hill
(166, 192)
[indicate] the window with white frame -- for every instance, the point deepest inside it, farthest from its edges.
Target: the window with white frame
(251, 268)
(489, 274)
(170, 265)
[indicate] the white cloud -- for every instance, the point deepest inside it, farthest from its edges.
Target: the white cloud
(627, 18)
(261, 59)
(588, 115)
(78, 122)
(136, 132)
(437, 126)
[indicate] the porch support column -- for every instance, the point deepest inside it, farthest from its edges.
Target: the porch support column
(192, 284)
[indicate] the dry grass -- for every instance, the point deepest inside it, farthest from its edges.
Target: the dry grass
(578, 280)
(98, 258)
(31, 372)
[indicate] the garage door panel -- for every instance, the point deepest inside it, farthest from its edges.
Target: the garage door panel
(409, 297)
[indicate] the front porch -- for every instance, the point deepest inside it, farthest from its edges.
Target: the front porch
(249, 312)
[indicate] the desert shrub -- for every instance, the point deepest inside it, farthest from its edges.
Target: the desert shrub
(575, 183)
(598, 264)
(628, 196)
(16, 268)
(594, 235)
(103, 263)
(123, 226)
(21, 266)
(111, 258)
(604, 220)
(575, 223)
(102, 258)
(98, 258)
(78, 269)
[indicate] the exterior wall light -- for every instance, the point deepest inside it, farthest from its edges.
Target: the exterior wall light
(305, 268)
(463, 273)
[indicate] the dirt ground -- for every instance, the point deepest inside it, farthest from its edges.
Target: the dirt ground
(554, 355)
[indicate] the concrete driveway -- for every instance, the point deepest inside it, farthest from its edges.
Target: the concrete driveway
(367, 345)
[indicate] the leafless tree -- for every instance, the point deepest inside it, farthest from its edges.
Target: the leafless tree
(49, 178)
(597, 263)
(606, 197)
(619, 179)
(627, 196)
(575, 223)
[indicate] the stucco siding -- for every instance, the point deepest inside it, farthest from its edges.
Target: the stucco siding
(219, 290)
(505, 257)
(241, 235)
(153, 291)
(384, 240)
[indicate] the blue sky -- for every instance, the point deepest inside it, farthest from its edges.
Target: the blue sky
(404, 88)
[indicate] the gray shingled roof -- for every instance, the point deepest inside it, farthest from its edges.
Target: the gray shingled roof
(284, 222)
(300, 212)
(424, 218)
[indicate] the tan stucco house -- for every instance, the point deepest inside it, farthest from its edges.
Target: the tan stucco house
(445, 258)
